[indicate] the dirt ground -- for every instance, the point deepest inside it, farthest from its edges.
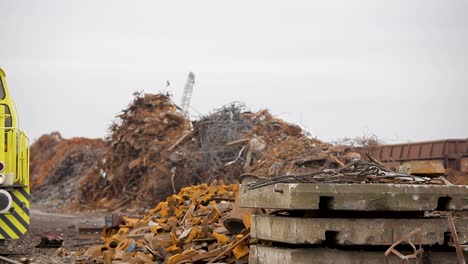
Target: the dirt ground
(63, 225)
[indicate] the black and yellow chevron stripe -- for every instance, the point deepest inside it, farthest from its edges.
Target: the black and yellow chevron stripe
(16, 222)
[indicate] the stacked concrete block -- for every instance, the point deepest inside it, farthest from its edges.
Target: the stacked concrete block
(356, 223)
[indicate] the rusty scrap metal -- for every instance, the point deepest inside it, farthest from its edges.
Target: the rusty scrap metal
(449, 151)
(186, 227)
(231, 247)
(153, 151)
(357, 171)
(453, 232)
(405, 258)
(57, 165)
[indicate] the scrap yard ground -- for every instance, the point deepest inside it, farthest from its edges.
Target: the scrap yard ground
(243, 132)
(175, 184)
(45, 222)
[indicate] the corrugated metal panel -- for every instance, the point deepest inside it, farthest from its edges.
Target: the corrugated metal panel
(450, 151)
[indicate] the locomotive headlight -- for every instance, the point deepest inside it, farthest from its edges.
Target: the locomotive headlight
(2, 166)
(2, 179)
(5, 201)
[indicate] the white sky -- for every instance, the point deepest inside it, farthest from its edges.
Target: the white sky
(396, 68)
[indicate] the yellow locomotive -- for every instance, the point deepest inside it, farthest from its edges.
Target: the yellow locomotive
(14, 169)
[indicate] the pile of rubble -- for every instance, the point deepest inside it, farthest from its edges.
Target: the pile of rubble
(154, 154)
(137, 165)
(154, 151)
(58, 164)
(185, 228)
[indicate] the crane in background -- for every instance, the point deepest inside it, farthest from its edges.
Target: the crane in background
(187, 96)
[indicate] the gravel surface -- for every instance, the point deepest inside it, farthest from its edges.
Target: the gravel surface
(64, 225)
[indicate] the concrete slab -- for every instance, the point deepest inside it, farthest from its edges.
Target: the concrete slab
(348, 231)
(275, 255)
(364, 197)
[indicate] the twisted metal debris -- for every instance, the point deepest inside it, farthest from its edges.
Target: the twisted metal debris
(153, 151)
(185, 228)
(210, 152)
(357, 171)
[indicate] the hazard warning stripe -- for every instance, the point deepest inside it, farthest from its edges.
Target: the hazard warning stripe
(24, 193)
(19, 215)
(3, 234)
(15, 223)
(20, 204)
(9, 227)
(21, 220)
(20, 196)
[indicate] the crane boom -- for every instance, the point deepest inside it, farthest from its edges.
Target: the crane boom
(187, 96)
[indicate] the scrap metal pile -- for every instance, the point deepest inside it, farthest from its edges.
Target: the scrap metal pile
(185, 228)
(137, 164)
(57, 165)
(154, 151)
(154, 154)
(357, 171)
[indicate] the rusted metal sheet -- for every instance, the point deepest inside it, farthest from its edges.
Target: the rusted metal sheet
(450, 151)
(423, 167)
(464, 165)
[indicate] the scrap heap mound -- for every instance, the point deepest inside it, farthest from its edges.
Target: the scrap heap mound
(57, 165)
(185, 228)
(153, 151)
(42, 151)
(137, 165)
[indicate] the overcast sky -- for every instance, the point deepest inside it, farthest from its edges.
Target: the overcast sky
(396, 69)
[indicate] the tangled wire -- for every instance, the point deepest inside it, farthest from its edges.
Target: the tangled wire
(357, 171)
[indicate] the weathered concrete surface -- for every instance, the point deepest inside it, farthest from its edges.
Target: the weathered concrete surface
(271, 255)
(423, 167)
(351, 231)
(363, 197)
